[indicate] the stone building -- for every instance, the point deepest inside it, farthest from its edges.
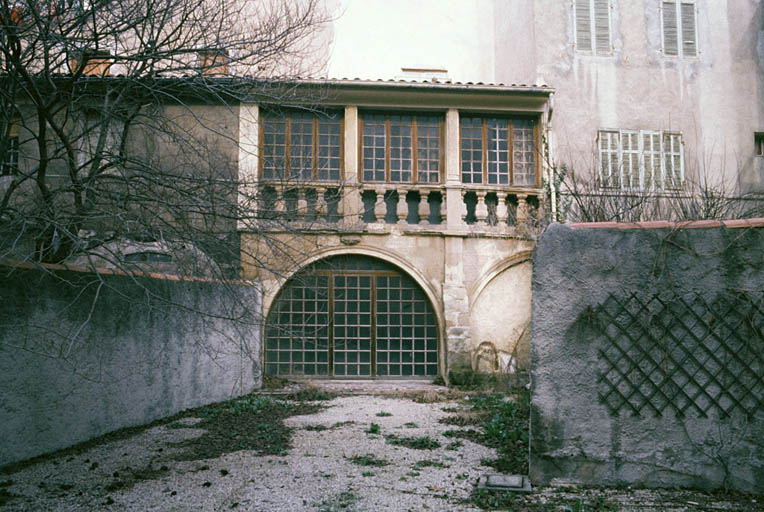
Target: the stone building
(430, 144)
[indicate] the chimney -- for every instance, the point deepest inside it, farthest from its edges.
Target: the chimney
(213, 62)
(95, 62)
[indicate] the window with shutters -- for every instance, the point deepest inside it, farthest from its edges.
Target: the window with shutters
(300, 146)
(592, 26)
(680, 36)
(401, 148)
(640, 159)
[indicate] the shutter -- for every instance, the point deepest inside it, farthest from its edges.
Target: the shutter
(583, 26)
(670, 44)
(602, 26)
(689, 44)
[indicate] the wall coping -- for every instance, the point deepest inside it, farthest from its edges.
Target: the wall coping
(113, 271)
(664, 224)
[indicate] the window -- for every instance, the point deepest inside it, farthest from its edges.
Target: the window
(498, 151)
(640, 159)
(592, 21)
(401, 148)
(758, 141)
(300, 146)
(9, 164)
(679, 32)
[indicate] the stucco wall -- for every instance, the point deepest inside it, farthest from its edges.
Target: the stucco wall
(641, 340)
(84, 354)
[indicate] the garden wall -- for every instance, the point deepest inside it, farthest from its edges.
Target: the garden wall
(647, 355)
(83, 354)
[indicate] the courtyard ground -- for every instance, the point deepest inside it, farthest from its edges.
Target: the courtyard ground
(346, 446)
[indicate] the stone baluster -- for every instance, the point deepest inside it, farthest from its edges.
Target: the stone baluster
(380, 207)
(481, 208)
(522, 208)
(501, 208)
(321, 208)
(281, 203)
(402, 209)
(302, 204)
(424, 208)
(463, 207)
(443, 208)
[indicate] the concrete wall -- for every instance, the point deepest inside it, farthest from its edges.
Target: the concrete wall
(84, 354)
(587, 283)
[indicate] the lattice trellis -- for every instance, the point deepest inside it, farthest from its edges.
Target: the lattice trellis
(683, 353)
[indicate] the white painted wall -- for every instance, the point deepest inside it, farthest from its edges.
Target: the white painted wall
(376, 38)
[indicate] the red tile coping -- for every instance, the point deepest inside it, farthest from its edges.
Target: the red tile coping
(664, 224)
(113, 271)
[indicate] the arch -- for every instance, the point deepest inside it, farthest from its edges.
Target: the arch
(497, 268)
(374, 252)
(361, 315)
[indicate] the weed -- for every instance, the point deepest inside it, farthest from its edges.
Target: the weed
(340, 424)
(427, 463)
(368, 460)
(177, 424)
(343, 501)
(367, 473)
(373, 429)
(489, 500)
(316, 428)
(310, 394)
(462, 476)
(413, 473)
(416, 443)
(410, 424)
(503, 426)
(383, 414)
(454, 445)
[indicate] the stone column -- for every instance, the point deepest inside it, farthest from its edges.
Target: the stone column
(351, 206)
(456, 308)
(249, 115)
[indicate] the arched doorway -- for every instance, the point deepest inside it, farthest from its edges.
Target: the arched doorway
(351, 316)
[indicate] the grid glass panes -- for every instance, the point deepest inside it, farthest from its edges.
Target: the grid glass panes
(352, 317)
(401, 148)
(498, 151)
(300, 146)
(640, 159)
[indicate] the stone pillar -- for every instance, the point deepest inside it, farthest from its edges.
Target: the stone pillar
(249, 116)
(351, 206)
(453, 196)
(456, 308)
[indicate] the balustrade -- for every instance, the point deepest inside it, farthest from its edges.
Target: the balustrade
(406, 205)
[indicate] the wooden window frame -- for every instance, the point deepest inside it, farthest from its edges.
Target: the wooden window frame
(286, 117)
(414, 148)
(677, 6)
(510, 142)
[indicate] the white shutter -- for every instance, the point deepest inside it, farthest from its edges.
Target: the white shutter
(670, 32)
(583, 26)
(630, 158)
(673, 160)
(608, 153)
(689, 37)
(602, 26)
(651, 160)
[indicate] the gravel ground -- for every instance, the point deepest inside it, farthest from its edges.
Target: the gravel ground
(322, 471)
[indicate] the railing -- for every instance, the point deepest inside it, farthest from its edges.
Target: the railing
(489, 208)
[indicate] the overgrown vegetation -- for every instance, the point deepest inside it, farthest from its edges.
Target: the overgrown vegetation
(344, 501)
(250, 423)
(503, 425)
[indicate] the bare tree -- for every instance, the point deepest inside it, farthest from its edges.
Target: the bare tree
(118, 122)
